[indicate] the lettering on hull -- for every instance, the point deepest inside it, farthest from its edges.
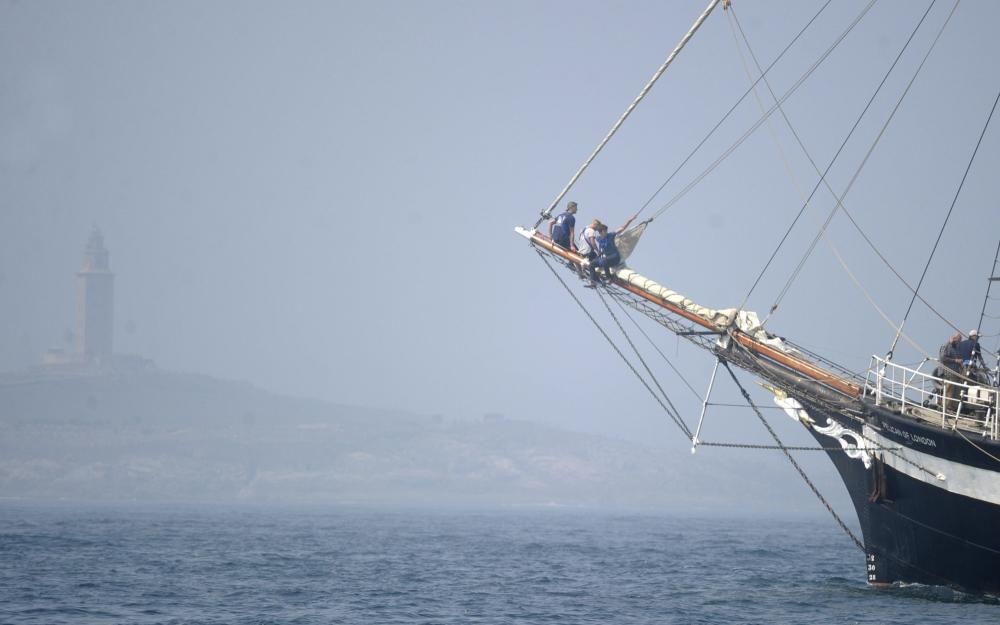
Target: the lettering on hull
(910, 437)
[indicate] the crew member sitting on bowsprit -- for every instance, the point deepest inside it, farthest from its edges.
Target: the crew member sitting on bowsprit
(608, 256)
(561, 228)
(587, 248)
(949, 357)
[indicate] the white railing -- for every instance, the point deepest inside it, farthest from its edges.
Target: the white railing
(956, 402)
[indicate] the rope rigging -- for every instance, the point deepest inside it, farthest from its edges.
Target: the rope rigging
(731, 109)
(848, 413)
(947, 217)
(833, 160)
(839, 199)
(734, 19)
(747, 360)
(989, 285)
(657, 349)
(665, 402)
(668, 406)
(628, 111)
(791, 459)
(673, 409)
(788, 447)
(751, 362)
(673, 413)
(746, 135)
(673, 416)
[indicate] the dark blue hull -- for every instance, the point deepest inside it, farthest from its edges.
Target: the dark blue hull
(925, 499)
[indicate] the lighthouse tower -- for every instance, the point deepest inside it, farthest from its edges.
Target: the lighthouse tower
(94, 303)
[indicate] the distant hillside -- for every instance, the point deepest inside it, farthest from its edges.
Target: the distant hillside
(156, 436)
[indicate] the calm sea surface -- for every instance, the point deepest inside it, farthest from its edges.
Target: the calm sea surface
(72, 564)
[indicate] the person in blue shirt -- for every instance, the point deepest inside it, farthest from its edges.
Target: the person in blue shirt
(608, 256)
(561, 229)
(968, 350)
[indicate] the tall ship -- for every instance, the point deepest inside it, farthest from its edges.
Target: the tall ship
(916, 444)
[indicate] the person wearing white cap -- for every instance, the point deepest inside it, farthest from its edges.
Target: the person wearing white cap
(968, 350)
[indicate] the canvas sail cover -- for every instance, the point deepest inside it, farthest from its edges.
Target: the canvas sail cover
(626, 241)
(745, 320)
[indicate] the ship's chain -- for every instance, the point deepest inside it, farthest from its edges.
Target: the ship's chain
(901, 457)
(701, 341)
(789, 447)
(748, 362)
(791, 459)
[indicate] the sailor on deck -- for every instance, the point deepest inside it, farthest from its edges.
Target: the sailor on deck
(950, 369)
(968, 350)
(974, 366)
(948, 354)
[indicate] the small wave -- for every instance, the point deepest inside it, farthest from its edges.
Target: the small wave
(68, 611)
(941, 594)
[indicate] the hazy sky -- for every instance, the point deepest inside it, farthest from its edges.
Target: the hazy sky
(319, 197)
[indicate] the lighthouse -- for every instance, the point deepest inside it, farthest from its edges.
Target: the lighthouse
(94, 304)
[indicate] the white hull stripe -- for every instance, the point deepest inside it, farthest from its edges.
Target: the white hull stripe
(954, 477)
(959, 478)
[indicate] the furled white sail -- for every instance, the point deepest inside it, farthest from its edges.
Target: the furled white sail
(745, 320)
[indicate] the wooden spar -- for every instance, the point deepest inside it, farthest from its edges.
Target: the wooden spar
(631, 288)
(798, 365)
(547, 244)
(789, 361)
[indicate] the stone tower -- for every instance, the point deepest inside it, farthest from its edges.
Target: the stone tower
(94, 303)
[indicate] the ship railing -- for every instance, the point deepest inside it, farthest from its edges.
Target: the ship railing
(952, 403)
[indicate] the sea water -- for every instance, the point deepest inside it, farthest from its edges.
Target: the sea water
(164, 564)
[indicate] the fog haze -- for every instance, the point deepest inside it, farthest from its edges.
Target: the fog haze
(317, 198)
